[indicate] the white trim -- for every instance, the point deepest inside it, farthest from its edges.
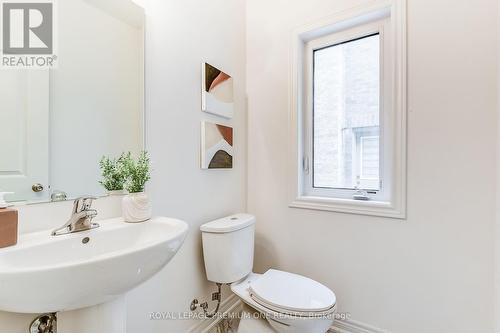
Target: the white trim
(227, 306)
(396, 206)
(371, 207)
(352, 326)
(233, 302)
(354, 33)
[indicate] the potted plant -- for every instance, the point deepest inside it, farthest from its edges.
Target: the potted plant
(113, 177)
(136, 205)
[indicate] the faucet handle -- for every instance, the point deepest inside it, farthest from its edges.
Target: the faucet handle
(83, 203)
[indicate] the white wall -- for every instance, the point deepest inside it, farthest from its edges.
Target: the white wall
(497, 225)
(433, 272)
(179, 36)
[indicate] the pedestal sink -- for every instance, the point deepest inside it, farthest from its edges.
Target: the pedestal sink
(45, 273)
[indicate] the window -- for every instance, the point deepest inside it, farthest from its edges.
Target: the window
(346, 115)
(348, 101)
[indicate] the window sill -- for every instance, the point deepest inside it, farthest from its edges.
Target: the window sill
(349, 206)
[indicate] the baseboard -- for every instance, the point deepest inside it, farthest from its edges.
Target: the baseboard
(228, 305)
(352, 326)
(233, 302)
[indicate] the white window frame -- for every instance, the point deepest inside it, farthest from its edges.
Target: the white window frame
(388, 18)
(348, 35)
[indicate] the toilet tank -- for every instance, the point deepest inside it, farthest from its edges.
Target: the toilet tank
(228, 246)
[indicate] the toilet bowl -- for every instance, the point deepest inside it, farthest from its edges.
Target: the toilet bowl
(289, 302)
(315, 316)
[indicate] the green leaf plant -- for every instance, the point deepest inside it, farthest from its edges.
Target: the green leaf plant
(137, 172)
(113, 177)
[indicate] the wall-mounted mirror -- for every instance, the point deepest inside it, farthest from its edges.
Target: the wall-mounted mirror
(57, 123)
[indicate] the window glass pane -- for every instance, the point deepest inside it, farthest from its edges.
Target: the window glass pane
(346, 115)
(369, 157)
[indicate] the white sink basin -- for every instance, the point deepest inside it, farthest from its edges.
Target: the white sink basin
(45, 273)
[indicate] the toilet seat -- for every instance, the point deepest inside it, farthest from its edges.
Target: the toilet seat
(280, 321)
(292, 294)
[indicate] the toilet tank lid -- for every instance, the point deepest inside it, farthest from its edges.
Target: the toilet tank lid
(229, 223)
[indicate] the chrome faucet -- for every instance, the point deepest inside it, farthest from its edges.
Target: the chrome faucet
(81, 217)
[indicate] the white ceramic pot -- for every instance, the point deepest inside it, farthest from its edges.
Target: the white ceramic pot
(116, 192)
(136, 207)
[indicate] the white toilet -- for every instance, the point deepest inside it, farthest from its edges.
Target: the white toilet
(291, 303)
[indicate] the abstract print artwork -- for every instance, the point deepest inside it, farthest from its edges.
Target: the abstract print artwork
(217, 91)
(216, 146)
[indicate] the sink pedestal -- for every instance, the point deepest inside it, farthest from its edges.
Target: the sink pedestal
(108, 317)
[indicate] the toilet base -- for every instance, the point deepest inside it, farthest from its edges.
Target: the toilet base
(252, 322)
